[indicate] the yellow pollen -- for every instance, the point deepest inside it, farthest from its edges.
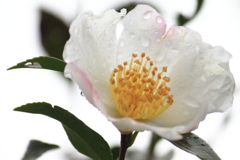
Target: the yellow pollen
(137, 92)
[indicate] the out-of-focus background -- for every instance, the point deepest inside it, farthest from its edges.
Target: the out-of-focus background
(218, 21)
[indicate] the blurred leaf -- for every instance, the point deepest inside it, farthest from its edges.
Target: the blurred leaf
(54, 34)
(181, 19)
(154, 140)
(36, 148)
(193, 144)
(50, 63)
(115, 152)
(83, 138)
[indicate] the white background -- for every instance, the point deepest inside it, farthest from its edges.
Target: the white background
(218, 22)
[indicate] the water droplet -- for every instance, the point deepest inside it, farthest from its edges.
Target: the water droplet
(95, 80)
(159, 19)
(75, 30)
(145, 42)
(132, 35)
(158, 39)
(147, 15)
(168, 43)
(156, 32)
(119, 56)
(82, 94)
(201, 58)
(33, 65)
(122, 43)
(131, 22)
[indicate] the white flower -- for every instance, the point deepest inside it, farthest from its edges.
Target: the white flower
(147, 79)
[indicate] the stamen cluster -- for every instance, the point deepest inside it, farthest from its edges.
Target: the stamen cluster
(139, 90)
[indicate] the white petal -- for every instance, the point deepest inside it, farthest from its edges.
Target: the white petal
(143, 29)
(201, 81)
(123, 124)
(91, 46)
(127, 125)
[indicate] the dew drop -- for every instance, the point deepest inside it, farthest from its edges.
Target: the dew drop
(147, 15)
(158, 39)
(145, 42)
(156, 32)
(132, 35)
(75, 30)
(201, 58)
(82, 94)
(159, 19)
(122, 43)
(131, 22)
(119, 56)
(33, 65)
(168, 43)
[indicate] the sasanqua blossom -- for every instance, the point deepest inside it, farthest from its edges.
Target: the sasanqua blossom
(147, 79)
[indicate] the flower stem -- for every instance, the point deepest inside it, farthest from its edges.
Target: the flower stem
(124, 146)
(126, 141)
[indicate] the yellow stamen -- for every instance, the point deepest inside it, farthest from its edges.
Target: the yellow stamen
(137, 92)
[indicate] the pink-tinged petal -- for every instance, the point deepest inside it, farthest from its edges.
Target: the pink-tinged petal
(91, 46)
(80, 77)
(201, 81)
(143, 29)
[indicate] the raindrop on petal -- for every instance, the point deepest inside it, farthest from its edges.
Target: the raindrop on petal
(119, 56)
(147, 15)
(132, 35)
(168, 43)
(122, 43)
(75, 30)
(159, 19)
(82, 94)
(145, 42)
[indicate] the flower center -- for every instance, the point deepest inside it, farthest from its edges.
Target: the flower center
(138, 89)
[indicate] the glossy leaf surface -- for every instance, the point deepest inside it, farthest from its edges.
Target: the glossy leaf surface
(83, 138)
(195, 145)
(50, 63)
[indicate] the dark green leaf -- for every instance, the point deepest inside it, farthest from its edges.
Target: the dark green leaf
(193, 144)
(183, 19)
(54, 34)
(115, 152)
(50, 63)
(36, 149)
(83, 138)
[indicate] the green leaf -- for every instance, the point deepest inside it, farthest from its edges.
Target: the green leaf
(36, 148)
(193, 144)
(182, 20)
(54, 33)
(83, 138)
(50, 63)
(115, 152)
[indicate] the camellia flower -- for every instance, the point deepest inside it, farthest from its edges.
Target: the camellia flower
(147, 79)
